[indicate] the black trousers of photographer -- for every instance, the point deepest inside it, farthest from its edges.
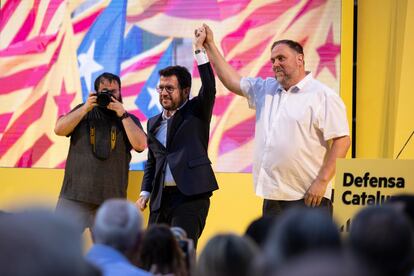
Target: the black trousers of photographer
(188, 212)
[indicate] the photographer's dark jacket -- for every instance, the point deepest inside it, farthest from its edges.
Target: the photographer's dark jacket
(94, 174)
(186, 150)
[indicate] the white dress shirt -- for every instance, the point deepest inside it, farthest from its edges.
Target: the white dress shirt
(292, 132)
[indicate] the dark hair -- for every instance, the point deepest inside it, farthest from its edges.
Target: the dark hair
(292, 45)
(259, 229)
(404, 203)
(322, 263)
(110, 77)
(297, 231)
(106, 76)
(226, 255)
(159, 251)
(382, 237)
(182, 74)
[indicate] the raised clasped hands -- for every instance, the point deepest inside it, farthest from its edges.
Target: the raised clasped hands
(199, 37)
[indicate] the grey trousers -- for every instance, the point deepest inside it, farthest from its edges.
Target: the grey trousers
(81, 213)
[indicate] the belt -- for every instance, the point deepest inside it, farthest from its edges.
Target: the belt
(170, 190)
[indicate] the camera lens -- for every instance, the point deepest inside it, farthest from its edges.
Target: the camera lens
(104, 97)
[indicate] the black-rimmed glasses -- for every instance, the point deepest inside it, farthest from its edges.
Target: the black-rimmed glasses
(169, 89)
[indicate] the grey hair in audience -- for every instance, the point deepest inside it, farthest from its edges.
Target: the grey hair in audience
(117, 224)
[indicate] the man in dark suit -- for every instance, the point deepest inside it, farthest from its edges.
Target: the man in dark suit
(178, 178)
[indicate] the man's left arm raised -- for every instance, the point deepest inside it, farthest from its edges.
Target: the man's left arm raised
(208, 84)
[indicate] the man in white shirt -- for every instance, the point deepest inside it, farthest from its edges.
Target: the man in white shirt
(301, 128)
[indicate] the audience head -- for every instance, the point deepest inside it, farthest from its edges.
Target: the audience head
(297, 231)
(403, 203)
(382, 237)
(179, 233)
(160, 253)
(117, 224)
(259, 229)
(321, 263)
(186, 245)
(302, 229)
(40, 243)
(226, 255)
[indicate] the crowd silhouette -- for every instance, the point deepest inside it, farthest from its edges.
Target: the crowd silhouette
(302, 241)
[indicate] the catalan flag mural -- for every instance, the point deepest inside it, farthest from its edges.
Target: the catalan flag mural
(51, 51)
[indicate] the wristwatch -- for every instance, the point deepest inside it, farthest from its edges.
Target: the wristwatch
(125, 115)
(199, 51)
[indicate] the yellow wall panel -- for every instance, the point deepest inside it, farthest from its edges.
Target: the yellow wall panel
(384, 78)
(232, 207)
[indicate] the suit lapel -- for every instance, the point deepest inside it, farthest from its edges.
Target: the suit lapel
(153, 124)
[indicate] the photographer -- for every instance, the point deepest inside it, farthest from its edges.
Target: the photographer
(102, 136)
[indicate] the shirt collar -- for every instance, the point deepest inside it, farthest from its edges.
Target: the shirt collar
(164, 112)
(305, 80)
(297, 87)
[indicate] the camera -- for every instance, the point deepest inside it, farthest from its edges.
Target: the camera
(186, 245)
(104, 97)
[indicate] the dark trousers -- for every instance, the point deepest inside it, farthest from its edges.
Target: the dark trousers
(277, 207)
(187, 212)
(82, 213)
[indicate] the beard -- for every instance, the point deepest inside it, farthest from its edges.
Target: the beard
(170, 104)
(281, 76)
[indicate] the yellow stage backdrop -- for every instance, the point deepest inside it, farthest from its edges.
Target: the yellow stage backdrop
(385, 98)
(232, 208)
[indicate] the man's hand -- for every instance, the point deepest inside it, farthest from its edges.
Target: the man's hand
(90, 102)
(142, 202)
(209, 36)
(199, 37)
(315, 193)
(116, 106)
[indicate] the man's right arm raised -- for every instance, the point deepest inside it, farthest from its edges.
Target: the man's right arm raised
(67, 123)
(226, 73)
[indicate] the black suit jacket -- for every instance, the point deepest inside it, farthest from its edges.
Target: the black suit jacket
(187, 141)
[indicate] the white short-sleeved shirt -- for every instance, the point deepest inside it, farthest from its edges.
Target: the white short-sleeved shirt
(292, 132)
